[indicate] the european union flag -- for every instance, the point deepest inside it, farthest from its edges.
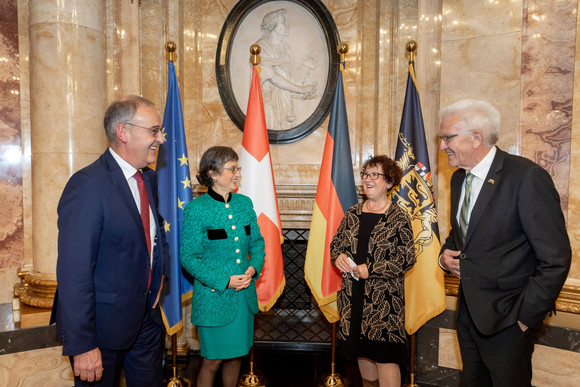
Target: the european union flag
(174, 193)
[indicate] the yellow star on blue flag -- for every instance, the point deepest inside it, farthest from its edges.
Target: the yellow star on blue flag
(186, 183)
(183, 160)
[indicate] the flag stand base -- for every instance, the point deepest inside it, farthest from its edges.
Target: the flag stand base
(178, 382)
(333, 380)
(251, 379)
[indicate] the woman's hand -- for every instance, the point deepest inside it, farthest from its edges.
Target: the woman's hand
(239, 282)
(342, 263)
(251, 272)
(361, 271)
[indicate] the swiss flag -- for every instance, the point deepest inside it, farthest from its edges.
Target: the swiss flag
(258, 184)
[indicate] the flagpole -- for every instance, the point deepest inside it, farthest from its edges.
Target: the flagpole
(334, 379)
(174, 381)
(411, 47)
(250, 379)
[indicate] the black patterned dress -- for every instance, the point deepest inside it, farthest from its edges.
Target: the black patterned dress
(372, 310)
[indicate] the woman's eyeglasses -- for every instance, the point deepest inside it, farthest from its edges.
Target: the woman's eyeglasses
(372, 175)
(234, 169)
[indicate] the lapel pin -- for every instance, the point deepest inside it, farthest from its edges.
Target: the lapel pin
(491, 181)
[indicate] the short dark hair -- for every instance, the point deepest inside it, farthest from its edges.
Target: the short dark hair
(392, 172)
(214, 160)
(121, 111)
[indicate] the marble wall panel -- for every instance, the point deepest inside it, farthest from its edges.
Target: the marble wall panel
(428, 73)
(574, 184)
(11, 160)
(473, 19)
(484, 64)
(548, 43)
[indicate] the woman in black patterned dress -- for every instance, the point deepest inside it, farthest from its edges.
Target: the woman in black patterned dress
(374, 248)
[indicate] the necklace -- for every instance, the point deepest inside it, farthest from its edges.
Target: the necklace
(382, 209)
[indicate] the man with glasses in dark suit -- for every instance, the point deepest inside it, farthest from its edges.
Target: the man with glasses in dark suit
(508, 245)
(111, 251)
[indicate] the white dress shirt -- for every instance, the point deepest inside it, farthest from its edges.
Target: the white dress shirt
(479, 173)
(128, 172)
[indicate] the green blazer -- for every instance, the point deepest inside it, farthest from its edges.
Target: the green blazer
(220, 239)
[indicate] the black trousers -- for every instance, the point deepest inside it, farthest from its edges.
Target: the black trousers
(502, 359)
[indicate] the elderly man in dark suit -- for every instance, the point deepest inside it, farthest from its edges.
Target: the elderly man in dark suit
(508, 245)
(111, 251)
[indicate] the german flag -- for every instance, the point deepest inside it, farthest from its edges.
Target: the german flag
(336, 192)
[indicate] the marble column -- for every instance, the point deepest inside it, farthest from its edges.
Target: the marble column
(67, 102)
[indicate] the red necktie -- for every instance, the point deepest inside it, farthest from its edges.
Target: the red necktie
(144, 199)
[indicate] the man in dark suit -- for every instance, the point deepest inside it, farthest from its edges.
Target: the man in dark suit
(111, 249)
(508, 245)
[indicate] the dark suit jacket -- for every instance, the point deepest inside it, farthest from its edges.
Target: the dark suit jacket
(516, 254)
(103, 264)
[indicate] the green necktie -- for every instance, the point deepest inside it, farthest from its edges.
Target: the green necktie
(463, 223)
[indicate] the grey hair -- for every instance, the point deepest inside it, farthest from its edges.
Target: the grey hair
(213, 160)
(475, 115)
(121, 111)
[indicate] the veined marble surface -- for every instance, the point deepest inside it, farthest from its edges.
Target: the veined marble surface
(41, 367)
(11, 208)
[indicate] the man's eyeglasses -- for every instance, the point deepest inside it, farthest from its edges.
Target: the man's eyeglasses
(154, 130)
(372, 175)
(447, 138)
(234, 169)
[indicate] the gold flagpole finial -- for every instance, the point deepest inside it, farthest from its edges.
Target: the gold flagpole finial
(171, 47)
(411, 49)
(342, 50)
(255, 50)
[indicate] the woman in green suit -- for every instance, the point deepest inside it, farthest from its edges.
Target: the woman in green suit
(222, 248)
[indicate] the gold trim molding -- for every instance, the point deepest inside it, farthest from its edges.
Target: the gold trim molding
(296, 203)
(35, 289)
(568, 301)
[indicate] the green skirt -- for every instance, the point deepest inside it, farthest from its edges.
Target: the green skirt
(231, 340)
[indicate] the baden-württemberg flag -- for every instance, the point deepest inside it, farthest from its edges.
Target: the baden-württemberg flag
(336, 192)
(424, 283)
(174, 193)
